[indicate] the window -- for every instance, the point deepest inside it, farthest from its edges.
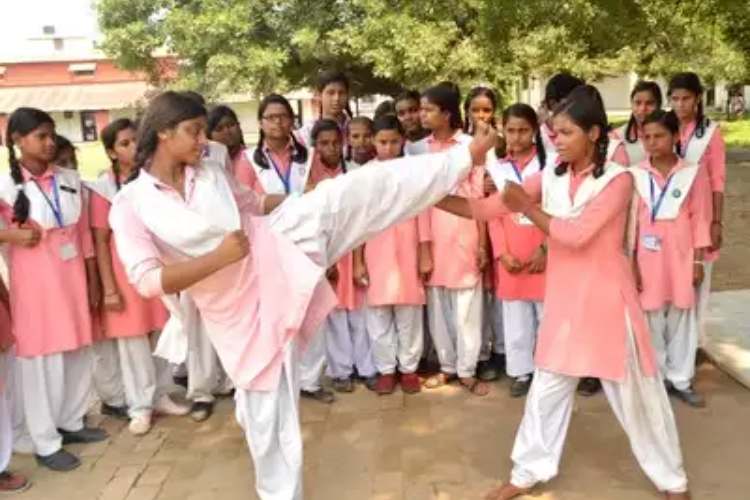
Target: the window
(59, 43)
(82, 69)
(88, 126)
(48, 30)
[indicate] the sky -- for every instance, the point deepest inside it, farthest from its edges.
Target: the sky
(25, 18)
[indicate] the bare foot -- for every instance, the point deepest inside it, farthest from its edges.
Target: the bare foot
(677, 496)
(506, 492)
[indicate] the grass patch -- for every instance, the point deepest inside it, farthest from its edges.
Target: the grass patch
(736, 133)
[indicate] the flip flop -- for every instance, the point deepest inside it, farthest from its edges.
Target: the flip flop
(439, 380)
(475, 386)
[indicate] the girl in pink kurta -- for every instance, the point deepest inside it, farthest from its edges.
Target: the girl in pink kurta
(674, 213)
(593, 324)
(520, 249)
(347, 345)
(395, 294)
(645, 98)
(51, 264)
(701, 143)
(332, 94)
(224, 128)
(258, 282)
(128, 319)
(558, 87)
(454, 289)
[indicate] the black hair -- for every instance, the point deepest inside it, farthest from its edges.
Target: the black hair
(559, 87)
(359, 120)
(62, 143)
(300, 152)
(473, 94)
(526, 112)
(692, 83)
(389, 122)
(329, 76)
(22, 121)
(407, 95)
(667, 119)
(447, 98)
(585, 107)
(218, 113)
(197, 97)
(109, 139)
(631, 133)
(165, 111)
(387, 107)
(327, 125)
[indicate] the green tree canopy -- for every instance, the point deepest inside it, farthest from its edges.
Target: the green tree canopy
(384, 45)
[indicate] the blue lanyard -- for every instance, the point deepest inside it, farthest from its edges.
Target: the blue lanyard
(54, 204)
(517, 171)
(285, 179)
(656, 203)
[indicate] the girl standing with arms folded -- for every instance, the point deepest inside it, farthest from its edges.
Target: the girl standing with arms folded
(587, 329)
(701, 143)
(128, 319)
(53, 288)
(519, 248)
(259, 282)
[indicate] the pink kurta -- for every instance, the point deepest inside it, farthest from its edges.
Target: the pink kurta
(48, 295)
(521, 241)
(455, 240)
(714, 160)
(392, 259)
(621, 155)
(140, 316)
(667, 275)
(590, 285)
(253, 308)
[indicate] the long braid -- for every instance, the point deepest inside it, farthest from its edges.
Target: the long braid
(701, 121)
(631, 132)
(258, 157)
(22, 204)
(300, 151)
(600, 154)
(541, 153)
(116, 171)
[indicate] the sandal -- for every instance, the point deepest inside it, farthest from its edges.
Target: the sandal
(439, 380)
(475, 386)
(506, 492)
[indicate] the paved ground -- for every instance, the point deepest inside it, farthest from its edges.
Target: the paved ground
(442, 445)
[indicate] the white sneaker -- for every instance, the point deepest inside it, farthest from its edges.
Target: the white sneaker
(166, 406)
(140, 425)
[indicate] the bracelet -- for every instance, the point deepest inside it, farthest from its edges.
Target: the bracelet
(698, 262)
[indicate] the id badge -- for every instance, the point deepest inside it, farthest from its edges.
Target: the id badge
(68, 251)
(652, 242)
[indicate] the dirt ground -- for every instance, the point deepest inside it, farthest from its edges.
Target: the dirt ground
(732, 271)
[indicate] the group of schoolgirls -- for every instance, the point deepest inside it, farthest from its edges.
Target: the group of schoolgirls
(70, 320)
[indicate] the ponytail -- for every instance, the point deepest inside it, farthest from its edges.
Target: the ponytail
(541, 153)
(22, 204)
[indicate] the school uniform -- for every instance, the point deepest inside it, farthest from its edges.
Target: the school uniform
(344, 331)
(255, 318)
(128, 331)
(304, 133)
(589, 330)
(49, 305)
(522, 294)
(454, 292)
(674, 217)
(632, 153)
(708, 151)
(395, 295)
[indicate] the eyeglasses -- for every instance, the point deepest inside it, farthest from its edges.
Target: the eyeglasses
(282, 117)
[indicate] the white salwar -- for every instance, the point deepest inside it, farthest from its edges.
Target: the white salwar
(521, 322)
(347, 344)
(640, 404)
(396, 335)
(675, 338)
(455, 318)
